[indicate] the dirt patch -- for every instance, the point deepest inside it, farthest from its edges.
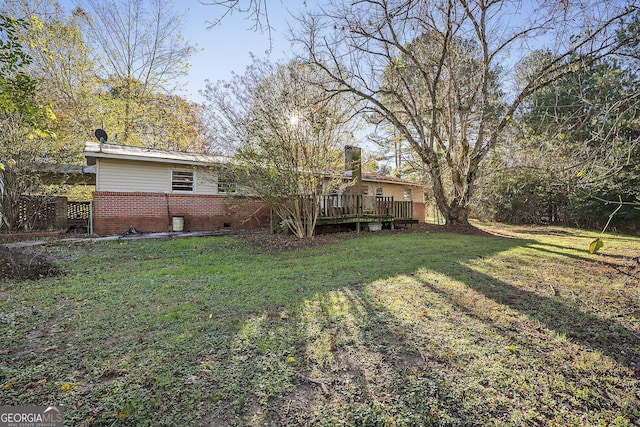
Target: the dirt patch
(280, 242)
(453, 228)
(25, 264)
(38, 340)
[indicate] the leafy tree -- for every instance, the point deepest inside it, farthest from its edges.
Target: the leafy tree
(139, 50)
(159, 120)
(23, 124)
(285, 136)
(435, 70)
(16, 83)
(176, 124)
(579, 151)
(86, 95)
(66, 79)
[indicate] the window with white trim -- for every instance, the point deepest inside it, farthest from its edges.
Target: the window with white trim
(408, 197)
(182, 181)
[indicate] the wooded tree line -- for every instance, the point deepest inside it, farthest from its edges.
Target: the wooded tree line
(107, 64)
(576, 155)
(522, 111)
(110, 63)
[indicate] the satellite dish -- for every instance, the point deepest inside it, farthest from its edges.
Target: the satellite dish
(101, 135)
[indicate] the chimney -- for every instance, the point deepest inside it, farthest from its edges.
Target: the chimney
(353, 169)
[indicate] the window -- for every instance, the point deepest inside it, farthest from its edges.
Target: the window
(226, 185)
(378, 191)
(182, 181)
(407, 194)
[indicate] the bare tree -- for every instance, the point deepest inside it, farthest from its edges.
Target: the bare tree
(443, 72)
(138, 43)
(257, 12)
(285, 136)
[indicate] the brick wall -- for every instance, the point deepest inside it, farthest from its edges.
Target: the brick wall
(116, 212)
(419, 211)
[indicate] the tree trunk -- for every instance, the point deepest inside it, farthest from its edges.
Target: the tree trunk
(127, 125)
(11, 201)
(458, 215)
(455, 211)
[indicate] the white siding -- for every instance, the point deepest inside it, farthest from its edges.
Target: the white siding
(206, 182)
(147, 177)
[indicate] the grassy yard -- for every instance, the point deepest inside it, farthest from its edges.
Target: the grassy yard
(409, 329)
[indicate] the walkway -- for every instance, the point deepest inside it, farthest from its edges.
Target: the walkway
(132, 236)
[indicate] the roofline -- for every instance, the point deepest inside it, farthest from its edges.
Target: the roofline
(96, 150)
(391, 180)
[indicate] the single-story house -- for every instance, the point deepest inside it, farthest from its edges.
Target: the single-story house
(147, 189)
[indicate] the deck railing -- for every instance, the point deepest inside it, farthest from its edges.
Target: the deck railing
(343, 206)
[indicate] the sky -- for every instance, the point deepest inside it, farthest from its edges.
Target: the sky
(227, 47)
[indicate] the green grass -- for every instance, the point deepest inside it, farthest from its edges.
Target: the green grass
(524, 328)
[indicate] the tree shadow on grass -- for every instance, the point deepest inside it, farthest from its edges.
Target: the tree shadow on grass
(336, 361)
(524, 366)
(260, 351)
(599, 263)
(256, 381)
(351, 361)
(346, 382)
(596, 258)
(606, 336)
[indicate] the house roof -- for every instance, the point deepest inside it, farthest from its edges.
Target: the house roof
(371, 177)
(94, 150)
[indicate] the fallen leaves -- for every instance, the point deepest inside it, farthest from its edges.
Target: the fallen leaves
(24, 263)
(69, 386)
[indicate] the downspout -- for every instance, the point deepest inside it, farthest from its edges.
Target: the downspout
(169, 223)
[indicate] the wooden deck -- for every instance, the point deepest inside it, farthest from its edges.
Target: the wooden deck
(368, 210)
